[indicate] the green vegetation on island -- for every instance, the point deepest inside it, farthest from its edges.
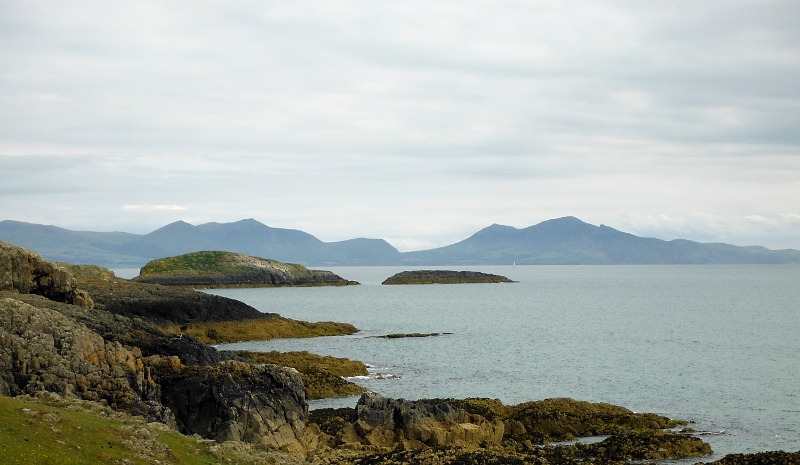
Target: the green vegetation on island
(227, 269)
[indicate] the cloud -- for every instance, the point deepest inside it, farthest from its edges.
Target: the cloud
(422, 121)
(153, 207)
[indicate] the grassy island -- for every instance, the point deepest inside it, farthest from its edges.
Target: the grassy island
(216, 269)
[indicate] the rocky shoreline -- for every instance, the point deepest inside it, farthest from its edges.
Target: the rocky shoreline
(82, 336)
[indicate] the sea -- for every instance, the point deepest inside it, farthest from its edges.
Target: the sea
(717, 345)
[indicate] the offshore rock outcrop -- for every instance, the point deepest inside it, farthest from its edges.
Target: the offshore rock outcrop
(444, 277)
(228, 269)
(23, 271)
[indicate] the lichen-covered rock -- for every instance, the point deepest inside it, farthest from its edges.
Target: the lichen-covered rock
(236, 401)
(24, 271)
(42, 350)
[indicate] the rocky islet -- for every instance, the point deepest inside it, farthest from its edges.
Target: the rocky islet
(444, 277)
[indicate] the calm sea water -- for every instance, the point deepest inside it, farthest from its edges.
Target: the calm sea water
(719, 345)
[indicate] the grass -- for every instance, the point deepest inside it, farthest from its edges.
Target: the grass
(44, 432)
(219, 332)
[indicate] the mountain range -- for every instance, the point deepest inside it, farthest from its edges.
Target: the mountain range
(565, 240)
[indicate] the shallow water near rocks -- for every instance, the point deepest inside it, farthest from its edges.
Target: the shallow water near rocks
(715, 344)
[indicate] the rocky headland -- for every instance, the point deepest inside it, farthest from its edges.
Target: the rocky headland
(215, 269)
(103, 369)
(444, 277)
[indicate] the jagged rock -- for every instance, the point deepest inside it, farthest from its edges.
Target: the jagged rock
(42, 350)
(235, 401)
(24, 271)
(386, 424)
(133, 332)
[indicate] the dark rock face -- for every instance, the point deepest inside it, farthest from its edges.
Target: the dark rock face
(167, 305)
(133, 332)
(25, 272)
(234, 401)
(444, 277)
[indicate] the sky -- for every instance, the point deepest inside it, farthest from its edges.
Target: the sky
(419, 122)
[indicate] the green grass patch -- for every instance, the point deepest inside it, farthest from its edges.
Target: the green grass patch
(41, 432)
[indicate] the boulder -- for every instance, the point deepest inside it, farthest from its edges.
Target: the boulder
(24, 271)
(387, 424)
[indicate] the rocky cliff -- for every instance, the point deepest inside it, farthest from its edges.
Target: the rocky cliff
(24, 271)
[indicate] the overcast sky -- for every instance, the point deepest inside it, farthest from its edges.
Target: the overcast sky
(416, 122)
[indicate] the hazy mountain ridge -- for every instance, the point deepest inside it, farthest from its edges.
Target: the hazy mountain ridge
(565, 240)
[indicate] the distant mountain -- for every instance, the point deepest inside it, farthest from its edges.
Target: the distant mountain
(570, 241)
(560, 241)
(246, 236)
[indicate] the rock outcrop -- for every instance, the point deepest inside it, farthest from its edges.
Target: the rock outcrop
(444, 277)
(24, 271)
(228, 269)
(42, 350)
(165, 305)
(235, 401)
(383, 424)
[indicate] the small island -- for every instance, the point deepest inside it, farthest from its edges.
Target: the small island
(444, 277)
(216, 269)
